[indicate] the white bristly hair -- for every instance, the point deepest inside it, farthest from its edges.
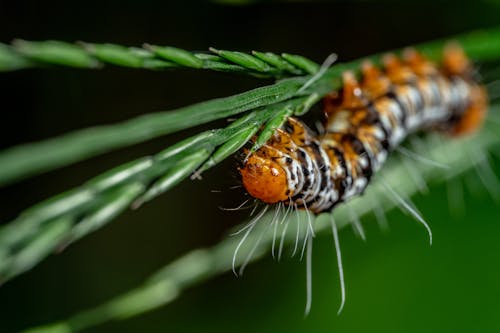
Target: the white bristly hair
(274, 222)
(336, 242)
(309, 239)
(248, 229)
(356, 224)
(285, 223)
(379, 213)
(420, 158)
(298, 231)
(408, 208)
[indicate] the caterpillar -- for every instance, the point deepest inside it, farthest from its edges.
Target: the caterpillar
(364, 122)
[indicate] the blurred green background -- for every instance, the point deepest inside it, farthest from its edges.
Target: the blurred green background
(395, 281)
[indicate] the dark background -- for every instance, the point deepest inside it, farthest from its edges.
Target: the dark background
(395, 281)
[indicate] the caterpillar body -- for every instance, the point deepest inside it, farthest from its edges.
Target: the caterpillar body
(365, 121)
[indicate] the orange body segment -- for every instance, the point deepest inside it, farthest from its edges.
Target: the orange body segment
(456, 62)
(475, 114)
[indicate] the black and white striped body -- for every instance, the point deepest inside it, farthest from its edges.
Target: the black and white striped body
(339, 164)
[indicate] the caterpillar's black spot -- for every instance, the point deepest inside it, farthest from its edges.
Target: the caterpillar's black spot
(288, 127)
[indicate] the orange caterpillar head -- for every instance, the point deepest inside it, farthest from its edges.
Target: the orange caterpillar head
(264, 179)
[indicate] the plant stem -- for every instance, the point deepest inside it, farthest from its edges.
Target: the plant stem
(25, 54)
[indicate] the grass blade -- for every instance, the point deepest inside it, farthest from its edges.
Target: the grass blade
(31, 159)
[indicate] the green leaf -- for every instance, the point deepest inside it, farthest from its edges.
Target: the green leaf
(301, 62)
(229, 147)
(176, 174)
(39, 247)
(10, 60)
(57, 53)
(176, 55)
(119, 174)
(271, 126)
(308, 103)
(113, 203)
(243, 59)
(115, 54)
(276, 61)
